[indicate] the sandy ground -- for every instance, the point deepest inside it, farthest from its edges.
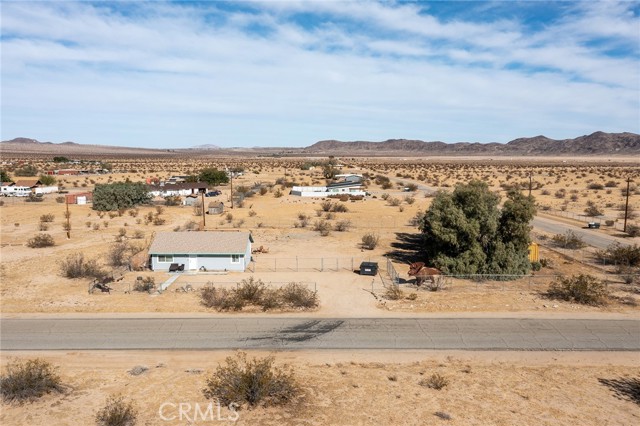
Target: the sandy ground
(352, 388)
(31, 281)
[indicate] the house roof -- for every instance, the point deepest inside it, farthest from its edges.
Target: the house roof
(344, 184)
(200, 242)
(7, 184)
(27, 182)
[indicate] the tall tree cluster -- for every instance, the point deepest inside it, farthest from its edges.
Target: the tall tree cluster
(465, 232)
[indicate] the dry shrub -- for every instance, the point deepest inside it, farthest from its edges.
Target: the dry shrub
(117, 412)
(251, 290)
(221, 299)
(393, 292)
(583, 289)
(76, 267)
(29, 380)
(323, 227)
(146, 284)
(117, 254)
(41, 240)
(342, 225)
(568, 240)
(435, 381)
(47, 217)
(370, 241)
(251, 382)
(298, 295)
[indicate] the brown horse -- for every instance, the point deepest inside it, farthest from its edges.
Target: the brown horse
(422, 272)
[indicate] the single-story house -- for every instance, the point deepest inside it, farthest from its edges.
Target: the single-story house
(349, 188)
(31, 183)
(182, 189)
(213, 251)
(215, 207)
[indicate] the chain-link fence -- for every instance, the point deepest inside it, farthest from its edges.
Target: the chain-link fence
(308, 264)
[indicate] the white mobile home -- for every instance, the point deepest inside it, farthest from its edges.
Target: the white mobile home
(201, 250)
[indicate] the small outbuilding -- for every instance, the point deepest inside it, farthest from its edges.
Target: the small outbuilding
(201, 250)
(215, 207)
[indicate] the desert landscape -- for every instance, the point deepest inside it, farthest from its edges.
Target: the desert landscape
(349, 213)
(353, 387)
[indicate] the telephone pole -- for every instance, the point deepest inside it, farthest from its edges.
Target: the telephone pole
(626, 206)
(204, 220)
(530, 182)
(231, 178)
(68, 218)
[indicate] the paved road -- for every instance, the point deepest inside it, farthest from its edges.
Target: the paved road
(590, 236)
(303, 333)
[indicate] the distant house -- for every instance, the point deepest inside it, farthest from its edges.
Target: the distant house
(63, 172)
(181, 189)
(10, 189)
(213, 251)
(215, 207)
(345, 187)
(31, 183)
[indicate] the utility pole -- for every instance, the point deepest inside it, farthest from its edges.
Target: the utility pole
(204, 220)
(68, 218)
(231, 177)
(626, 206)
(530, 182)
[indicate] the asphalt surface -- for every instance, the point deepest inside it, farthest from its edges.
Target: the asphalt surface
(303, 333)
(592, 237)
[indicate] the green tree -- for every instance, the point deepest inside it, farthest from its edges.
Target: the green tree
(61, 160)
(120, 195)
(47, 180)
(466, 233)
(213, 176)
(4, 176)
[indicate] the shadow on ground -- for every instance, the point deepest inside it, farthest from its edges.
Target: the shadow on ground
(627, 388)
(407, 248)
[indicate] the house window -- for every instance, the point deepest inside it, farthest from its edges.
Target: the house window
(235, 258)
(165, 258)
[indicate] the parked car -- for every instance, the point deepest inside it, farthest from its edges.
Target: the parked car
(212, 193)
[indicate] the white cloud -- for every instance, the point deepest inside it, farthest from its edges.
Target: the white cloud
(75, 71)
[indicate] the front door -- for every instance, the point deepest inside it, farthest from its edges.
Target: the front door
(193, 262)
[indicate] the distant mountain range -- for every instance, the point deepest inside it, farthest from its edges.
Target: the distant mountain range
(598, 143)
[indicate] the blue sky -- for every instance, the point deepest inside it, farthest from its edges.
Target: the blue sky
(290, 73)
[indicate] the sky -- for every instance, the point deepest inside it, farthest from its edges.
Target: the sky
(290, 73)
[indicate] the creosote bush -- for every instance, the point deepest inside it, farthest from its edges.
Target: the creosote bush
(251, 382)
(76, 267)
(568, 240)
(254, 292)
(583, 289)
(29, 380)
(370, 241)
(117, 412)
(41, 240)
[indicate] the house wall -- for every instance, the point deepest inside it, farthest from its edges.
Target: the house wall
(211, 262)
(46, 189)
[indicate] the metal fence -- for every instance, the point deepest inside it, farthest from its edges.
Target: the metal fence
(532, 282)
(301, 264)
